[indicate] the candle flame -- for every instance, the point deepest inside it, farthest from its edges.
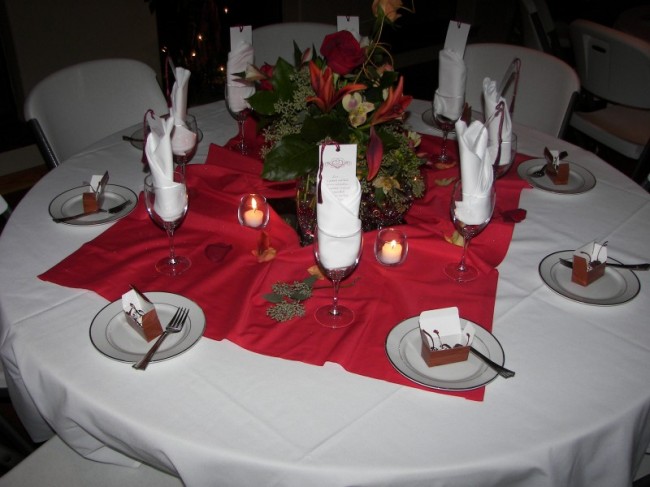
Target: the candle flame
(393, 244)
(254, 204)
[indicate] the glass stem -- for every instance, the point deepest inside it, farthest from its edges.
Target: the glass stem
(443, 147)
(170, 234)
(461, 265)
(240, 121)
(335, 301)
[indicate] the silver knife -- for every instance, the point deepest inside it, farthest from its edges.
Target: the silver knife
(113, 210)
(632, 267)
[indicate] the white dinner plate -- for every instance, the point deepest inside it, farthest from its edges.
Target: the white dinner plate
(580, 179)
(70, 203)
(114, 337)
(137, 138)
(617, 286)
(427, 117)
(403, 346)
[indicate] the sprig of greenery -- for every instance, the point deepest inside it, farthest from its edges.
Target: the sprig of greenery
(287, 299)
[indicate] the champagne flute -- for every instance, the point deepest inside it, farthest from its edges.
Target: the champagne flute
(470, 215)
(185, 141)
(504, 158)
(337, 257)
(239, 111)
(447, 110)
(167, 207)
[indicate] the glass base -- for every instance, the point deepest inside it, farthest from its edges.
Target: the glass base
(174, 267)
(344, 316)
(458, 274)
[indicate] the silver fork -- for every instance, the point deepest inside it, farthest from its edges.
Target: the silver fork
(175, 325)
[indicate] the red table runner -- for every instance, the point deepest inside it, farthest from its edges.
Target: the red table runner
(231, 291)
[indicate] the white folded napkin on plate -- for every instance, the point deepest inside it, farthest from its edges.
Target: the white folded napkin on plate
(476, 173)
(179, 93)
(171, 197)
(491, 98)
(452, 73)
(238, 89)
(339, 226)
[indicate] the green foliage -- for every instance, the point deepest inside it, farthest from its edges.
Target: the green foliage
(287, 299)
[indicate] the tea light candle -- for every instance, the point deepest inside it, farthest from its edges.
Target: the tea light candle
(391, 247)
(253, 217)
(391, 252)
(253, 211)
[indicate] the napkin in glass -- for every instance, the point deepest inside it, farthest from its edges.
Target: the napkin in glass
(171, 197)
(183, 139)
(452, 75)
(491, 98)
(476, 173)
(239, 90)
(337, 214)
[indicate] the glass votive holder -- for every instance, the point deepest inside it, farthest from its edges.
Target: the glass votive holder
(391, 247)
(253, 211)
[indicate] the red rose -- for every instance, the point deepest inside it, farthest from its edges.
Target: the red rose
(265, 84)
(342, 52)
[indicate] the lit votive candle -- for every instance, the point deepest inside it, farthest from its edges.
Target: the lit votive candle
(391, 247)
(253, 211)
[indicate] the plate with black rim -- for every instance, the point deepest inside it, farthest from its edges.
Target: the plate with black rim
(580, 179)
(70, 203)
(112, 335)
(616, 286)
(403, 347)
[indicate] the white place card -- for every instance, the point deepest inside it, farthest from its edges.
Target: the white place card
(456, 39)
(339, 163)
(442, 328)
(239, 35)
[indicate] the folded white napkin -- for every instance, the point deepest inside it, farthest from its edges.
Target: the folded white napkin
(339, 226)
(491, 98)
(238, 89)
(171, 197)
(179, 93)
(452, 73)
(476, 173)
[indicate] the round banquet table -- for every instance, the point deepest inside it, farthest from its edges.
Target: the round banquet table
(577, 412)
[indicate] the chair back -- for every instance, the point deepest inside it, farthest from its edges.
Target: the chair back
(547, 85)
(611, 64)
(538, 26)
(276, 40)
(71, 109)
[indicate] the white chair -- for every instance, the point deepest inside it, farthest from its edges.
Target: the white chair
(81, 104)
(547, 85)
(276, 40)
(57, 465)
(615, 67)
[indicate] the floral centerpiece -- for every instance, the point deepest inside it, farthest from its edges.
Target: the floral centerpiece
(348, 94)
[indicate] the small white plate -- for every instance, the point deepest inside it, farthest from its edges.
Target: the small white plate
(617, 286)
(580, 179)
(403, 347)
(427, 117)
(114, 337)
(70, 203)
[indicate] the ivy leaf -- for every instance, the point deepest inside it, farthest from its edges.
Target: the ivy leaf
(263, 102)
(291, 157)
(320, 128)
(273, 298)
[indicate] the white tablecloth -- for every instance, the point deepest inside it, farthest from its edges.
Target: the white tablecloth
(577, 412)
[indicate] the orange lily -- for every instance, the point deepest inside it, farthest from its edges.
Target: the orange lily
(322, 81)
(394, 105)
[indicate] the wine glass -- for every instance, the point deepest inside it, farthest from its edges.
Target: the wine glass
(337, 256)
(504, 158)
(447, 110)
(185, 141)
(167, 207)
(239, 111)
(470, 215)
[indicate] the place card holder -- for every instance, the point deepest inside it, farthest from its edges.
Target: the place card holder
(589, 263)
(141, 314)
(556, 170)
(93, 197)
(444, 341)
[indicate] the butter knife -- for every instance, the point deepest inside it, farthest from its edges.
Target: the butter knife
(113, 210)
(632, 267)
